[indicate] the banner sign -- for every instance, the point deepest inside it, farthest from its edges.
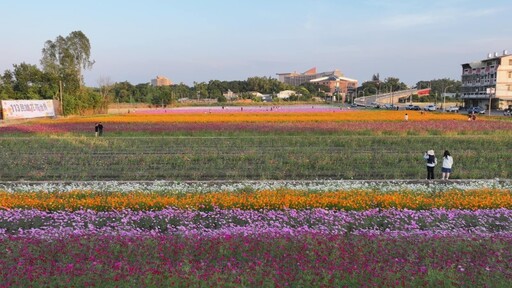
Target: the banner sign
(21, 109)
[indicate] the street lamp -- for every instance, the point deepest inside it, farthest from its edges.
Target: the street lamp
(391, 91)
(410, 98)
(388, 90)
(490, 91)
(368, 99)
(444, 96)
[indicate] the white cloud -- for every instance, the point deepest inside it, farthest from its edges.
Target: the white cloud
(434, 17)
(410, 20)
(482, 13)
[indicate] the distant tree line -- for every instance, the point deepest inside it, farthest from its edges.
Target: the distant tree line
(438, 87)
(125, 92)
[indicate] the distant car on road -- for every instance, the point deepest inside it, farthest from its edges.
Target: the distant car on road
(476, 110)
(389, 106)
(412, 107)
(452, 109)
(430, 107)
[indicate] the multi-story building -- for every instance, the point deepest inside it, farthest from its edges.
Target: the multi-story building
(161, 81)
(488, 80)
(338, 85)
(335, 80)
(295, 79)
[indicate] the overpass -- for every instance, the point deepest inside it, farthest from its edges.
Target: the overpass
(389, 98)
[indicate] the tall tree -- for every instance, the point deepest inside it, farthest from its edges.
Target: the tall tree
(6, 85)
(105, 86)
(28, 78)
(66, 57)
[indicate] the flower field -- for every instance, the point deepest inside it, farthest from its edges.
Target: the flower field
(291, 121)
(315, 234)
(301, 143)
(266, 199)
(253, 197)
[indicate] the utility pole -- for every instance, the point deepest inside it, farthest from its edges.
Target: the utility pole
(444, 96)
(490, 91)
(60, 98)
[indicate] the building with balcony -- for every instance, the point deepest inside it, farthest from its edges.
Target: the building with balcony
(487, 82)
(161, 81)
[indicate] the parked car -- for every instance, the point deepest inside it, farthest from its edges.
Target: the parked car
(389, 106)
(430, 107)
(452, 109)
(507, 112)
(476, 110)
(412, 107)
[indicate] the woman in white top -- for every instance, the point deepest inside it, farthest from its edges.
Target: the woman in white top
(447, 165)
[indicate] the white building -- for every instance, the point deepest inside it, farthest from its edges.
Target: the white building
(285, 94)
(488, 80)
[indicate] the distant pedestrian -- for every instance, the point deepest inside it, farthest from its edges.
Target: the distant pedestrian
(431, 163)
(406, 117)
(446, 169)
(96, 129)
(100, 129)
(473, 116)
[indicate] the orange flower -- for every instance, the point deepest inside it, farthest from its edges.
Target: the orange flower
(267, 199)
(367, 116)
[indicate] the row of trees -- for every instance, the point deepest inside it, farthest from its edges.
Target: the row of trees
(438, 88)
(125, 92)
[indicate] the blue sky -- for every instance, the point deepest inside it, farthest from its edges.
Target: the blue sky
(202, 40)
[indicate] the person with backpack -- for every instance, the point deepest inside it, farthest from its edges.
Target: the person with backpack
(431, 163)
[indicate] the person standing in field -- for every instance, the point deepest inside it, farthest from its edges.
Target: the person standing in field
(406, 117)
(96, 129)
(431, 163)
(100, 129)
(446, 169)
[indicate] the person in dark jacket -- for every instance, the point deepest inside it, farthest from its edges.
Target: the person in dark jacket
(100, 129)
(431, 163)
